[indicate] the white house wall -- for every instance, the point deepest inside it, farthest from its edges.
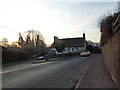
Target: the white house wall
(70, 50)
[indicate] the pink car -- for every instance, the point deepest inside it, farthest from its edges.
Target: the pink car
(85, 53)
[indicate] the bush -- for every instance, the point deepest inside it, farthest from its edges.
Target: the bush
(106, 28)
(13, 55)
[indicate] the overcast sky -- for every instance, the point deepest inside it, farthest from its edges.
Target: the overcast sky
(62, 19)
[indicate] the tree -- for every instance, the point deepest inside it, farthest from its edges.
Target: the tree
(31, 38)
(4, 41)
(20, 41)
(32, 42)
(90, 48)
(60, 47)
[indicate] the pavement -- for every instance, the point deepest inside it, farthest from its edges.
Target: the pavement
(96, 76)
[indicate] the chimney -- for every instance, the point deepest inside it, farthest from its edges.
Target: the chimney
(55, 39)
(84, 36)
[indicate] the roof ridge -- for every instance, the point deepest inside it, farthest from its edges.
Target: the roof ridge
(72, 38)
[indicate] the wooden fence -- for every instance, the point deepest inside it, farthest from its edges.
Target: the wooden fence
(116, 25)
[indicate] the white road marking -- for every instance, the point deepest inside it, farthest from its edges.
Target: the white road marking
(26, 67)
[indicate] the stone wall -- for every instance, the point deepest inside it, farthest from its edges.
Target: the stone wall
(111, 54)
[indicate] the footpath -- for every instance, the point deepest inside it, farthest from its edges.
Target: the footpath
(96, 76)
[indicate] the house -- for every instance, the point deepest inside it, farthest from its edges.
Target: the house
(72, 45)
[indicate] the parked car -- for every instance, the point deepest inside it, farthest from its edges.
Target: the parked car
(88, 53)
(59, 53)
(85, 53)
(41, 58)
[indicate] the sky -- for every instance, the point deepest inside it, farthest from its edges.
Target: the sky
(65, 19)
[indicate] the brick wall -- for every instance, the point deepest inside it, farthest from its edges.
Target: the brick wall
(111, 54)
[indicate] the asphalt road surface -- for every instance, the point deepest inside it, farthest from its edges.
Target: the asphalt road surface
(64, 73)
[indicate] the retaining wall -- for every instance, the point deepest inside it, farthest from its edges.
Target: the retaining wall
(111, 54)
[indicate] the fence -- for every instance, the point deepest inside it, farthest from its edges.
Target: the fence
(116, 25)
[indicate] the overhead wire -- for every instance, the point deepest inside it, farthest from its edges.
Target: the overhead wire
(9, 29)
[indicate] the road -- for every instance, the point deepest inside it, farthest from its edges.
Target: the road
(55, 74)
